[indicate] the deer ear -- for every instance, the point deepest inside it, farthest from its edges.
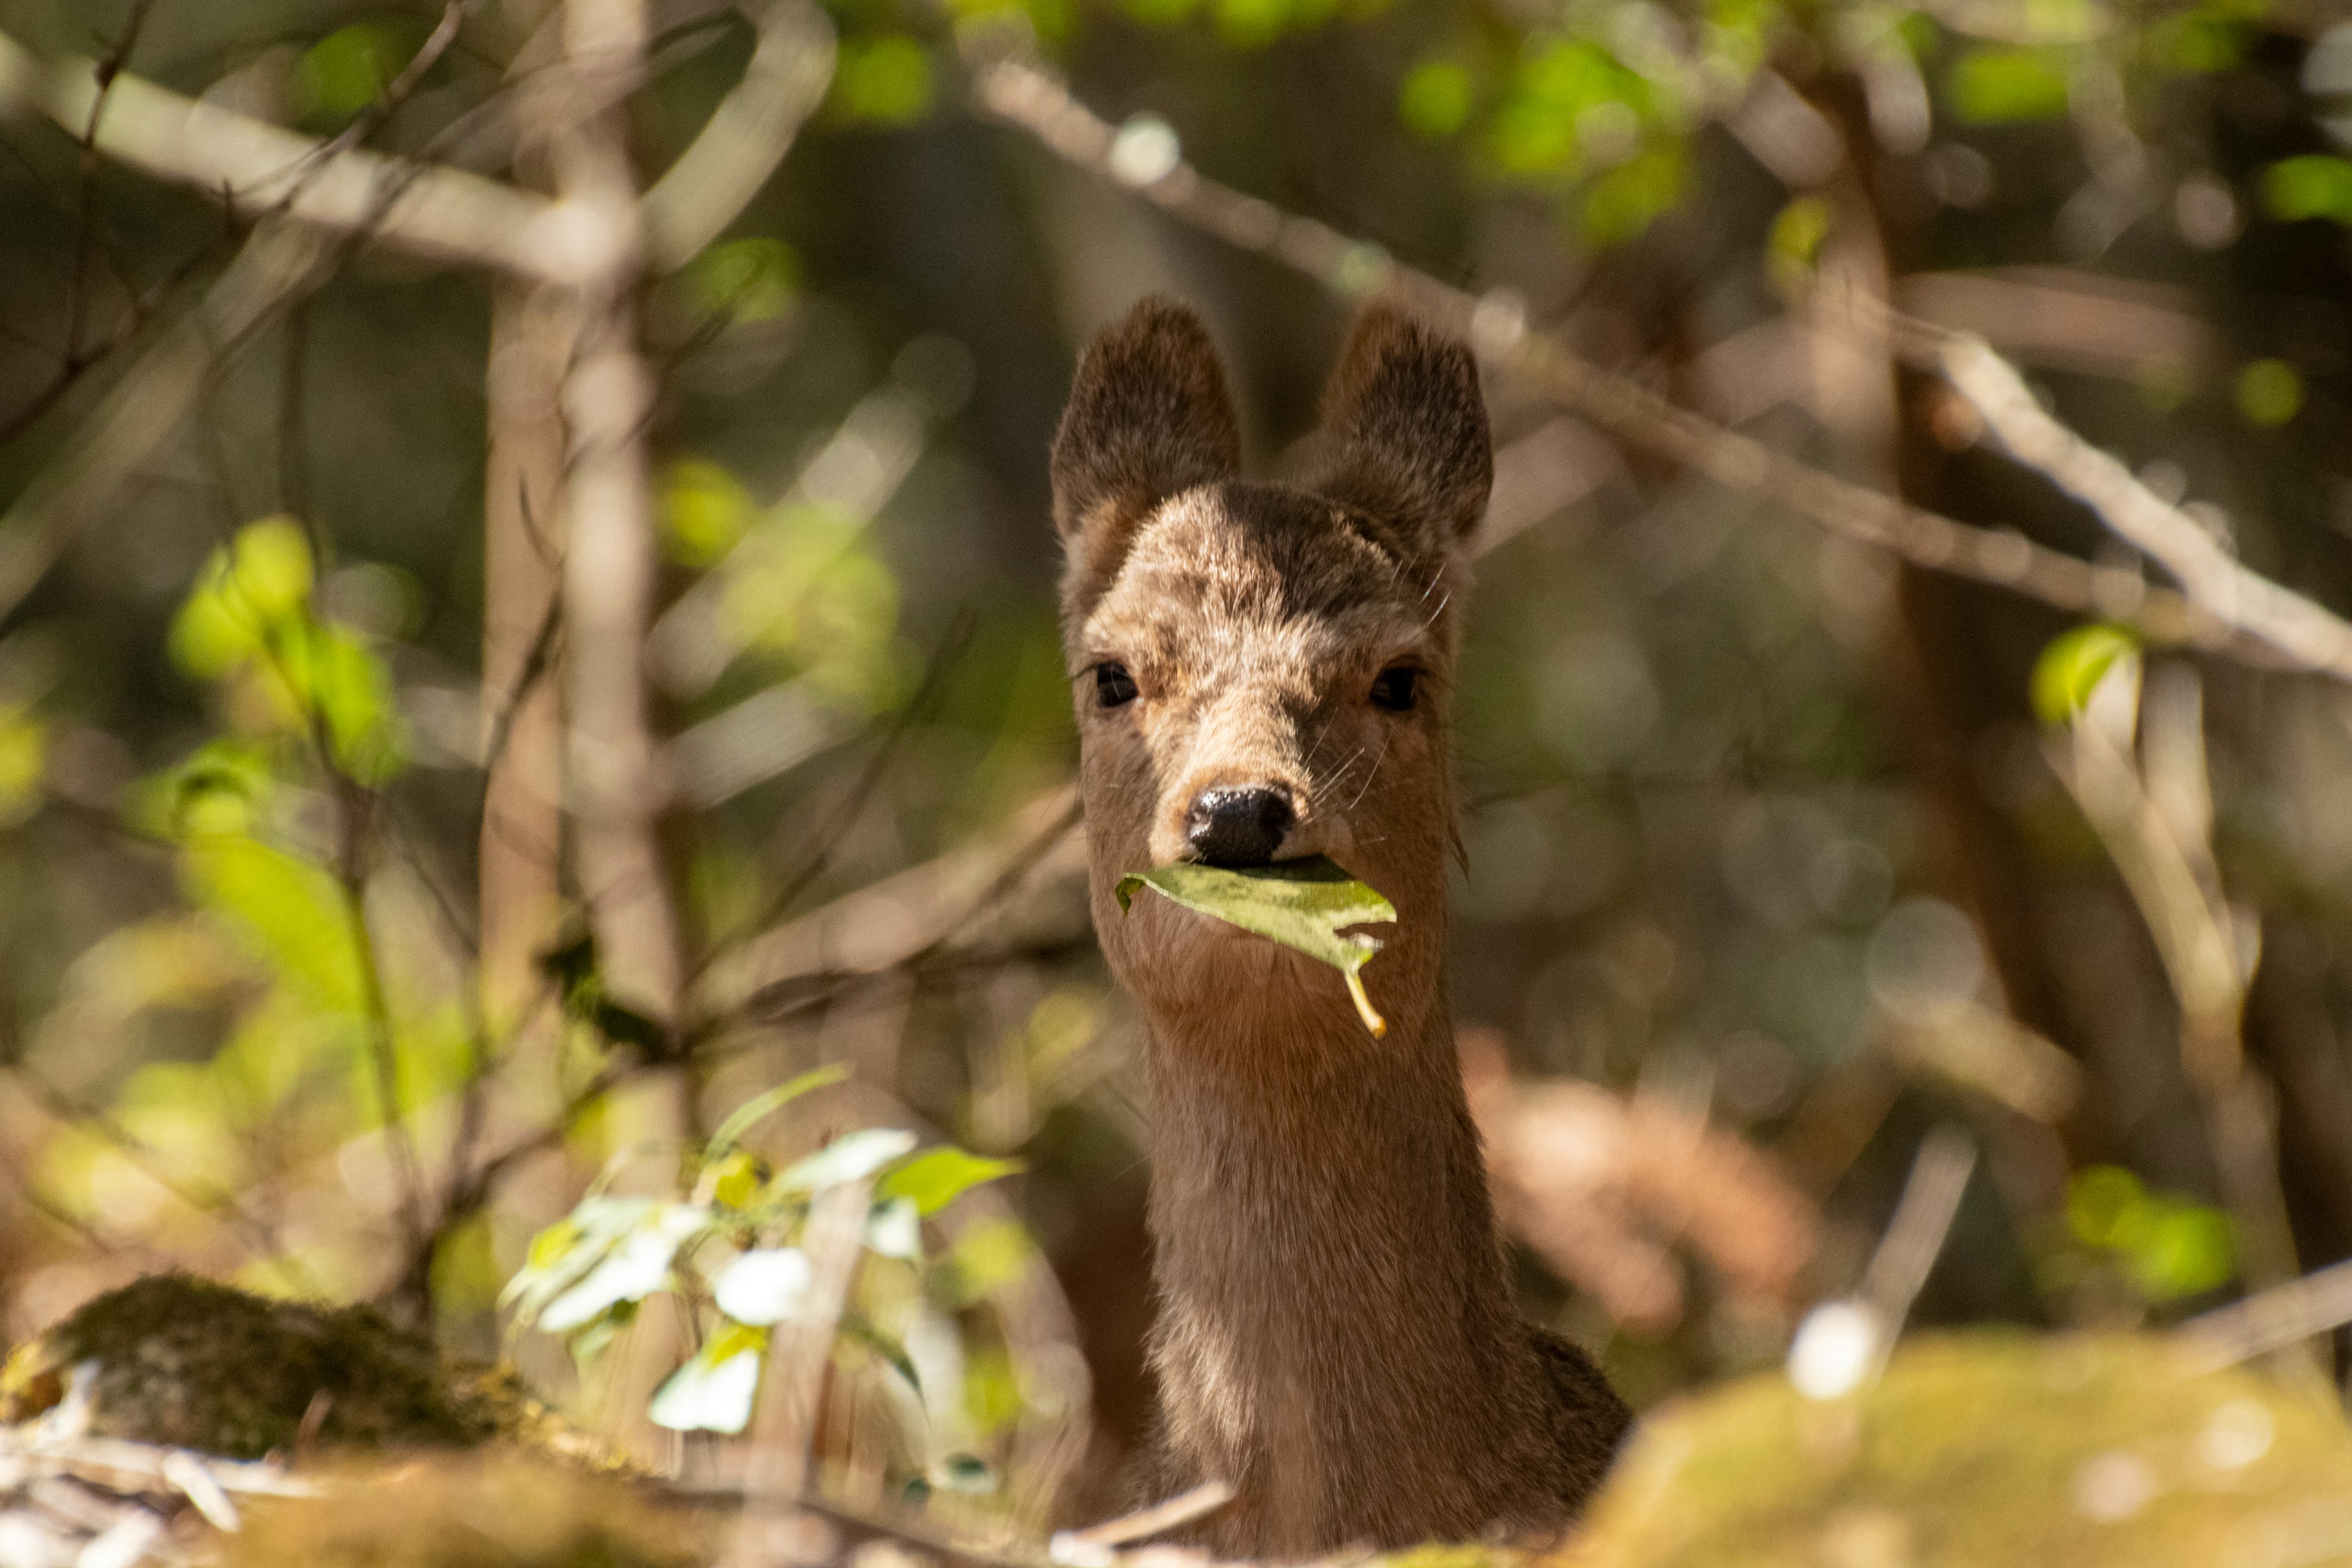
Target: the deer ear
(1147, 417)
(1404, 429)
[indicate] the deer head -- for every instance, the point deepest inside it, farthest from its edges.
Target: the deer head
(1263, 672)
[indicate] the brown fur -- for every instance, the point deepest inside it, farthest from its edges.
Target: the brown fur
(1335, 1334)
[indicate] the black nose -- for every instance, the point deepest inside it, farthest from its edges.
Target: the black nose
(1239, 827)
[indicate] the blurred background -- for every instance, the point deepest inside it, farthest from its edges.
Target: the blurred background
(1784, 849)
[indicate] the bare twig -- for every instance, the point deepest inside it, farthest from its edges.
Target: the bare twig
(142, 409)
(613, 770)
(2152, 810)
(1923, 1217)
(2306, 633)
(784, 1426)
(1495, 327)
(1094, 1546)
(2274, 1319)
(441, 211)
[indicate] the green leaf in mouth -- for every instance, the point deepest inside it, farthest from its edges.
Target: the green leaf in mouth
(1303, 904)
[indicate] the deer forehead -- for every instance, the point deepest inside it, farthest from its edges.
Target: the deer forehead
(1239, 581)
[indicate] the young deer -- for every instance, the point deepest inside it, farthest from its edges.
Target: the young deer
(1264, 673)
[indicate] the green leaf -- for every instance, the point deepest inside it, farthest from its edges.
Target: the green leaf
(852, 1157)
(894, 1230)
(742, 1119)
(1304, 904)
(634, 1270)
(886, 80)
(713, 1392)
(764, 1286)
(2072, 666)
(2269, 392)
(2313, 186)
(347, 69)
(1436, 98)
(748, 280)
(936, 1177)
(2008, 86)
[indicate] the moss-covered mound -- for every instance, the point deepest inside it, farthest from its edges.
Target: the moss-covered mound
(193, 1364)
(493, 1510)
(1989, 1447)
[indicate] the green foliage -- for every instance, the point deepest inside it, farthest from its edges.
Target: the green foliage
(705, 512)
(1436, 98)
(1304, 904)
(754, 279)
(2269, 392)
(2316, 184)
(2170, 1247)
(884, 81)
(2008, 87)
(1794, 240)
(2072, 666)
(251, 627)
(733, 1252)
(347, 70)
(806, 590)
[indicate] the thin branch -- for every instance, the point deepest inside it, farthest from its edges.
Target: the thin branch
(440, 212)
(745, 138)
(1496, 328)
(2306, 633)
(86, 193)
(613, 768)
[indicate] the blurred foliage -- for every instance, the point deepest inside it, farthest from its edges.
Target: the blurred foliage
(1743, 805)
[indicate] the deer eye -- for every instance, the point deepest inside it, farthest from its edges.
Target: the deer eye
(1113, 688)
(1396, 687)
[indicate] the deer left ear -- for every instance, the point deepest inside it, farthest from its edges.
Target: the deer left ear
(1404, 429)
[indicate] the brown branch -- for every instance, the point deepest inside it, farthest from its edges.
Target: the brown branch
(1495, 327)
(2306, 633)
(246, 164)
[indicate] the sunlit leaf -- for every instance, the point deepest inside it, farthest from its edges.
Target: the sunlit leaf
(886, 80)
(2072, 666)
(24, 761)
(347, 69)
(744, 1116)
(1435, 98)
(713, 1392)
(748, 280)
(705, 510)
(634, 1270)
(1304, 904)
(2269, 392)
(259, 581)
(764, 1286)
(936, 1177)
(2003, 87)
(852, 1157)
(2313, 186)
(894, 1230)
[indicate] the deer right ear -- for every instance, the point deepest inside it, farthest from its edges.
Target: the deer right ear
(1147, 417)
(1404, 428)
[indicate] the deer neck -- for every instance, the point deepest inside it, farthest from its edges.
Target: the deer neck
(1335, 1318)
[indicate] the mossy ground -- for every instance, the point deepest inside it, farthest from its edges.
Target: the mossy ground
(189, 1363)
(1988, 1449)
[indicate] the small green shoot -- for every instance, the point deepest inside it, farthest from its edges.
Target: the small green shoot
(1304, 904)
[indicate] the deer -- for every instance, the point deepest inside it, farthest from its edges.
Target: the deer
(1263, 672)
